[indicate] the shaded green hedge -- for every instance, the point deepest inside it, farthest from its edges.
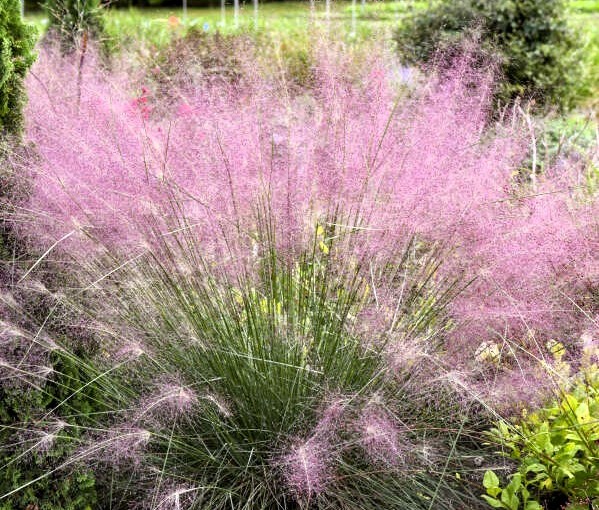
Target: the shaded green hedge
(536, 47)
(16, 56)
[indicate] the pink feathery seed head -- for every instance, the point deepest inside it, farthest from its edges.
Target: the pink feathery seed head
(379, 437)
(48, 436)
(129, 443)
(222, 406)
(403, 355)
(460, 385)
(130, 351)
(124, 444)
(511, 391)
(169, 401)
(330, 417)
(306, 467)
(589, 340)
(184, 109)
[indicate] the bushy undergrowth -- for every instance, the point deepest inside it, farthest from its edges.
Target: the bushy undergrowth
(536, 46)
(555, 447)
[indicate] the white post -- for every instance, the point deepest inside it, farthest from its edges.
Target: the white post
(22, 8)
(236, 12)
(363, 5)
(328, 9)
(184, 10)
(223, 13)
(256, 14)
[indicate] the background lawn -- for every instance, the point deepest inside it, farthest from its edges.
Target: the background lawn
(290, 21)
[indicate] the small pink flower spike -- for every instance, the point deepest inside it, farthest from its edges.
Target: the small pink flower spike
(379, 437)
(306, 470)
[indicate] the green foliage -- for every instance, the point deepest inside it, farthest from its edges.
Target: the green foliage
(511, 497)
(535, 45)
(75, 20)
(72, 489)
(267, 351)
(16, 56)
(556, 448)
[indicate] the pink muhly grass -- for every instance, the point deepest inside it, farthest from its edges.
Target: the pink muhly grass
(126, 444)
(379, 437)
(169, 401)
(431, 164)
(130, 351)
(119, 446)
(306, 467)
(174, 498)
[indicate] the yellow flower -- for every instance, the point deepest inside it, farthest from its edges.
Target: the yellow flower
(557, 349)
(488, 352)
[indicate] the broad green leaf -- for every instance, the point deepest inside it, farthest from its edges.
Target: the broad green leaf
(582, 413)
(495, 503)
(533, 505)
(536, 467)
(490, 480)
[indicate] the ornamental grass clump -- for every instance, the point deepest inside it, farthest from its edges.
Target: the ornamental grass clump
(433, 162)
(257, 389)
(294, 299)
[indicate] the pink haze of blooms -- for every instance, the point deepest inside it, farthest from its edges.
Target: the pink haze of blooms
(428, 163)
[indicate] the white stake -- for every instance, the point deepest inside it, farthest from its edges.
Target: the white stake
(256, 14)
(328, 9)
(223, 13)
(184, 10)
(22, 8)
(236, 12)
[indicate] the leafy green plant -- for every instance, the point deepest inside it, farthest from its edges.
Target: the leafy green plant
(509, 497)
(536, 47)
(556, 448)
(16, 56)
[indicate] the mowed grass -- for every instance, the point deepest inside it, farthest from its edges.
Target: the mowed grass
(291, 21)
(586, 6)
(284, 19)
(158, 25)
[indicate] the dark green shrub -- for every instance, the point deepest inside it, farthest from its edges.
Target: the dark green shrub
(72, 489)
(535, 45)
(16, 56)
